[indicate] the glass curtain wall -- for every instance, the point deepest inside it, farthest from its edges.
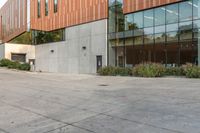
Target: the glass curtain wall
(116, 33)
(167, 34)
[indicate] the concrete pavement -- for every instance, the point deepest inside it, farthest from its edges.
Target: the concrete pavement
(63, 103)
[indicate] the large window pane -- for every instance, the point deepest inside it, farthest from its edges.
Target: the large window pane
(196, 24)
(160, 29)
(160, 38)
(138, 19)
(172, 36)
(185, 31)
(185, 11)
(148, 18)
(172, 27)
(138, 32)
(185, 26)
(196, 9)
(148, 30)
(149, 39)
(172, 13)
(128, 41)
(138, 40)
(129, 24)
(112, 23)
(160, 16)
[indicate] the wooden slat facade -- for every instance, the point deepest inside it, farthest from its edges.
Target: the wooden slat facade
(70, 13)
(137, 5)
(13, 19)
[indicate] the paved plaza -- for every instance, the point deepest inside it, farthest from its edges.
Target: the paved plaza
(63, 103)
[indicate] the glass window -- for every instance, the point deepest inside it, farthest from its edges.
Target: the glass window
(196, 24)
(148, 30)
(196, 9)
(172, 13)
(160, 29)
(55, 6)
(160, 16)
(128, 41)
(138, 40)
(185, 30)
(172, 27)
(129, 24)
(186, 35)
(112, 23)
(185, 11)
(149, 39)
(172, 36)
(39, 9)
(185, 26)
(148, 18)
(197, 34)
(46, 8)
(138, 32)
(128, 33)
(111, 2)
(160, 37)
(47, 37)
(138, 19)
(119, 18)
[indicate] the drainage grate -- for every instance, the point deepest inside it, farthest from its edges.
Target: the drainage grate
(103, 85)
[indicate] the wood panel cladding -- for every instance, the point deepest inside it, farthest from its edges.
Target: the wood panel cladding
(13, 19)
(137, 5)
(70, 13)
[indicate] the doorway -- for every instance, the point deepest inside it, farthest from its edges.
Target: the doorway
(99, 62)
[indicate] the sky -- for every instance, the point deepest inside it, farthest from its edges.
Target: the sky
(2, 2)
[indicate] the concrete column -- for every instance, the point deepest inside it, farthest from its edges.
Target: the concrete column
(199, 50)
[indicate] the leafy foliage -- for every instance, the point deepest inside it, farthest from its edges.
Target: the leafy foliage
(14, 65)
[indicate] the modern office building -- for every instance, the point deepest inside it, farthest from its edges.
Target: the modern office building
(82, 35)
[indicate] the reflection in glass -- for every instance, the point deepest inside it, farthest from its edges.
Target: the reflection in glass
(149, 39)
(148, 30)
(160, 16)
(138, 40)
(148, 18)
(160, 38)
(172, 13)
(172, 27)
(172, 36)
(196, 9)
(128, 41)
(160, 29)
(185, 11)
(138, 19)
(41, 37)
(129, 24)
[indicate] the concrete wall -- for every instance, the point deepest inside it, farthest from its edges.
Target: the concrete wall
(29, 50)
(2, 51)
(69, 56)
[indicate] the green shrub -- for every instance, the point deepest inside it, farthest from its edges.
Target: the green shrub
(191, 71)
(123, 71)
(174, 71)
(107, 71)
(114, 71)
(14, 65)
(149, 70)
(5, 62)
(25, 67)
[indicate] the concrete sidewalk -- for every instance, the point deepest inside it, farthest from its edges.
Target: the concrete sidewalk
(64, 103)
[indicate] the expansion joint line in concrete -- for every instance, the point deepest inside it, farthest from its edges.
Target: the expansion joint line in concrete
(138, 122)
(66, 124)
